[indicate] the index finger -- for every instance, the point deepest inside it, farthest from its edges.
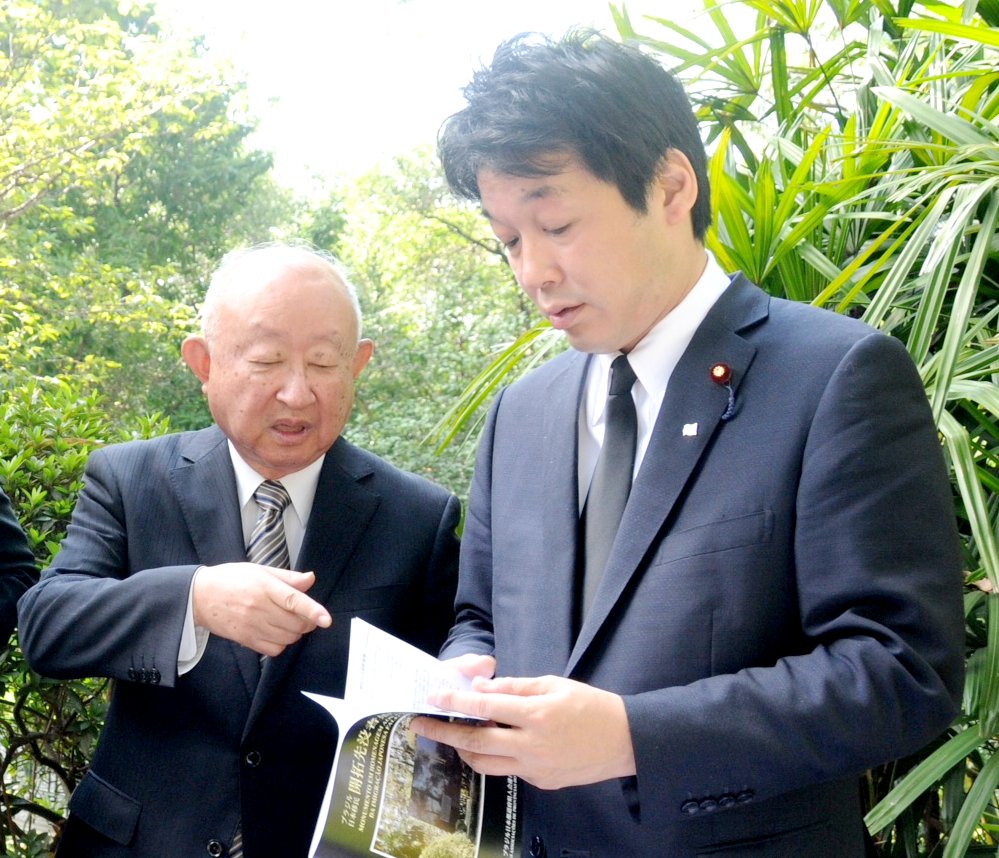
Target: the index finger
(296, 602)
(506, 709)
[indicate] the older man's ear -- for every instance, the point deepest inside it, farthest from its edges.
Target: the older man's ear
(195, 352)
(365, 349)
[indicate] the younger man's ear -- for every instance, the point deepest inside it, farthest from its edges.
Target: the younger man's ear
(194, 350)
(675, 187)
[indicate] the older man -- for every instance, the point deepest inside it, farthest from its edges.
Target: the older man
(171, 579)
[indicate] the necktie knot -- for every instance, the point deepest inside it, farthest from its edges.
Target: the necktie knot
(272, 496)
(622, 377)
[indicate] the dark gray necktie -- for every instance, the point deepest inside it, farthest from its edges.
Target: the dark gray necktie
(611, 482)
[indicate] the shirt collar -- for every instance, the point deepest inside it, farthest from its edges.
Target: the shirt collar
(301, 485)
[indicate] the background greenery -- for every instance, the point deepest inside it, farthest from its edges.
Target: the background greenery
(855, 162)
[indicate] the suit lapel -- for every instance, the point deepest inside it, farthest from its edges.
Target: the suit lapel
(690, 415)
(205, 487)
(340, 514)
(561, 512)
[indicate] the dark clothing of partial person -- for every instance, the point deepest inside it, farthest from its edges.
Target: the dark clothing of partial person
(184, 760)
(18, 570)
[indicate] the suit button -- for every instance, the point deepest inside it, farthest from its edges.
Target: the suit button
(132, 674)
(726, 800)
(154, 676)
(538, 849)
(744, 796)
(215, 848)
(709, 804)
(252, 759)
(690, 807)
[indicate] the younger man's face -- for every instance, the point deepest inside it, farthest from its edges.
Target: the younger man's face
(595, 267)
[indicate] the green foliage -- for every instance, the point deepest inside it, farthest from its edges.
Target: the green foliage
(438, 300)
(72, 86)
(124, 176)
(76, 317)
(188, 192)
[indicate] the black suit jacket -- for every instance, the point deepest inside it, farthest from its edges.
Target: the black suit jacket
(782, 607)
(183, 760)
(18, 570)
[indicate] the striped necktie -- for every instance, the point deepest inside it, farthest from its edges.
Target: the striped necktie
(267, 544)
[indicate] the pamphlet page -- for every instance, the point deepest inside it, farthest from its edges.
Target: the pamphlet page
(392, 793)
(388, 673)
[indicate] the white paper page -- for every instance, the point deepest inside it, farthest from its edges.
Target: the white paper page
(385, 674)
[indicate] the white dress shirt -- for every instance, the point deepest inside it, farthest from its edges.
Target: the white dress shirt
(653, 360)
(301, 487)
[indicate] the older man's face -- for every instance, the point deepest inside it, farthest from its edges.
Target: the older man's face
(280, 372)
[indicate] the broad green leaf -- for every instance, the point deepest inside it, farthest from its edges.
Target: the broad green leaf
(958, 447)
(951, 127)
(982, 35)
(963, 302)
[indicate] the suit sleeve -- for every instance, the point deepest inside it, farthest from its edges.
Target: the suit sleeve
(91, 614)
(17, 567)
(473, 628)
(438, 591)
(877, 568)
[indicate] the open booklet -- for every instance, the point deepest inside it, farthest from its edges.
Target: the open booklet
(393, 793)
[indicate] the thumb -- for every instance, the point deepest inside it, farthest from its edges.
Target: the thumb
(471, 665)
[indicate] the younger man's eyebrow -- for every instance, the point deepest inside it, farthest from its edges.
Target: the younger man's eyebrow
(539, 193)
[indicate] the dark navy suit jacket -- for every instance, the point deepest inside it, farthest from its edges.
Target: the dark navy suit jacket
(782, 607)
(182, 760)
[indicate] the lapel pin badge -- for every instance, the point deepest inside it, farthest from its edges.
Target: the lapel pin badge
(721, 374)
(689, 430)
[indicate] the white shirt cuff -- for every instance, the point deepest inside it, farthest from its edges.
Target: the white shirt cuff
(194, 639)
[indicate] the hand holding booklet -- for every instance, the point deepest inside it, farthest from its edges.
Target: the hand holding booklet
(393, 793)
